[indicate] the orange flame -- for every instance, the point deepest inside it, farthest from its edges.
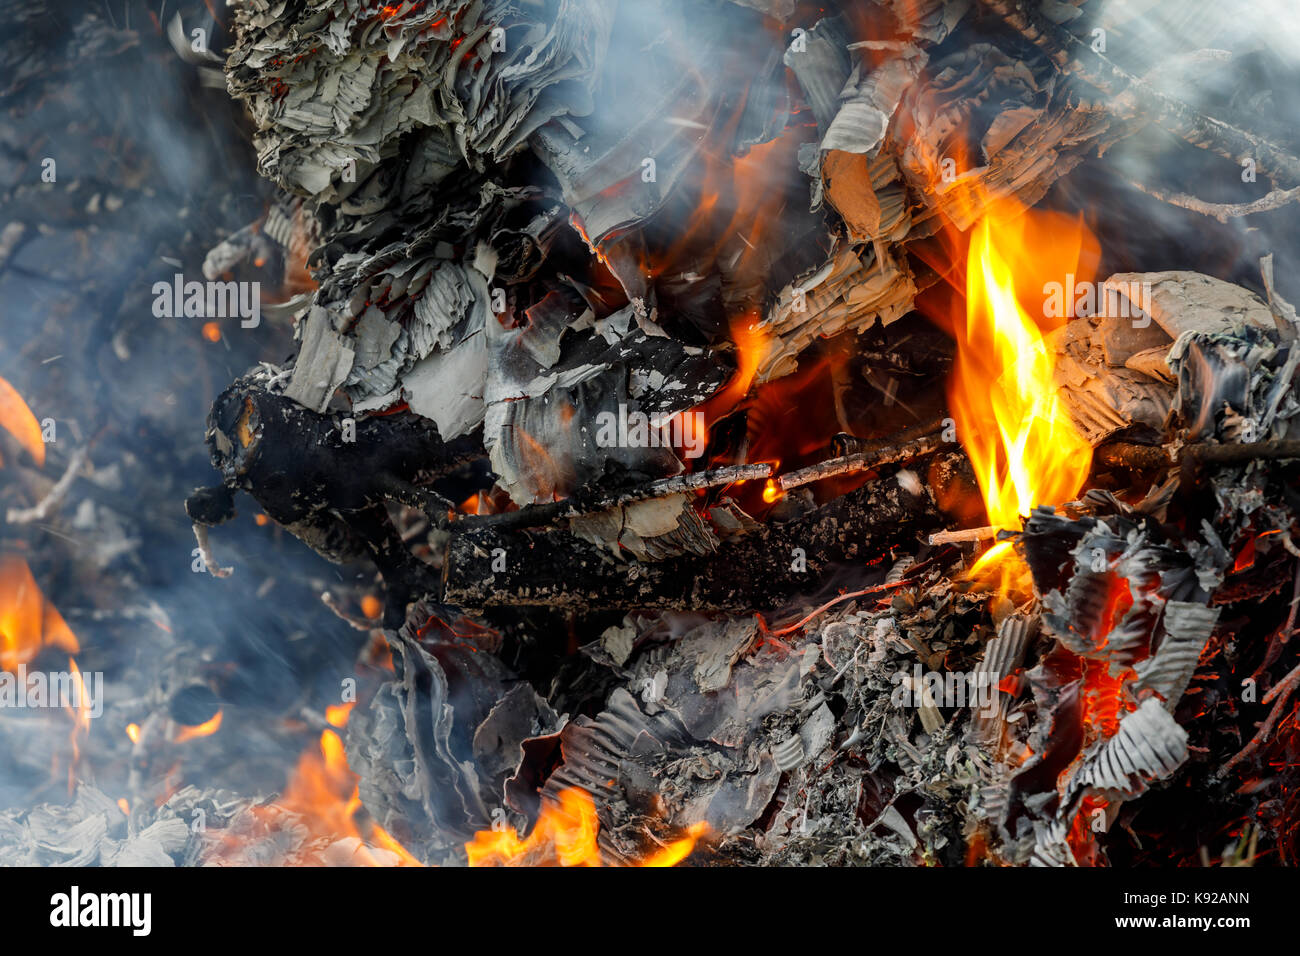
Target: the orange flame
(323, 791)
(205, 729)
(753, 343)
(17, 419)
(1024, 448)
(27, 621)
(565, 835)
(771, 493)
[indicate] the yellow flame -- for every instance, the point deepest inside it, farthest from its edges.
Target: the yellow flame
(28, 621)
(565, 835)
(1024, 448)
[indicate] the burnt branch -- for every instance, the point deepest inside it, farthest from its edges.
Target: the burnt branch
(535, 516)
(860, 461)
(1219, 210)
(1074, 57)
(763, 569)
(1149, 457)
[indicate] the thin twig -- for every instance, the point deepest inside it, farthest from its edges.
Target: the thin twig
(1131, 455)
(859, 461)
(1242, 453)
(41, 510)
(965, 535)
(1219, 210)
(1073, 56)
(205, 552)
(357, 623)
(830, 604)
(1282, 692)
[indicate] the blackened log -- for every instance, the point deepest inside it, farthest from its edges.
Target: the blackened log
(760, 570)
(1150, 457)
(326, 480)
(297, 463)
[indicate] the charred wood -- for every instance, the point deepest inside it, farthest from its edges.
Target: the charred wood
(759, 570)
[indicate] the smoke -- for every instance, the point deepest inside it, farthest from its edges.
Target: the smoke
(1164, 28)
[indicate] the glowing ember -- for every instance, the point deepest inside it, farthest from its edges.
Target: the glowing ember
(1024, 448)
(371, 607)
(565, 835)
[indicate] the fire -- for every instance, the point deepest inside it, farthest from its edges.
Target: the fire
(1024, 448)
(205, 729)
(753, 343)
(771, 493)
(565, 835)
(28, 622)
(323, 790)
(17, 419)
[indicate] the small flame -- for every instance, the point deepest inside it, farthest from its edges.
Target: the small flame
(17, 419)
(205, 729)
(81, 717)
(81, 714)
(133, 732)
(771, 493)
(337, 715)
(565, 835)
(752, 346)
(323, 791)
(1024, 448)
(28, 622)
